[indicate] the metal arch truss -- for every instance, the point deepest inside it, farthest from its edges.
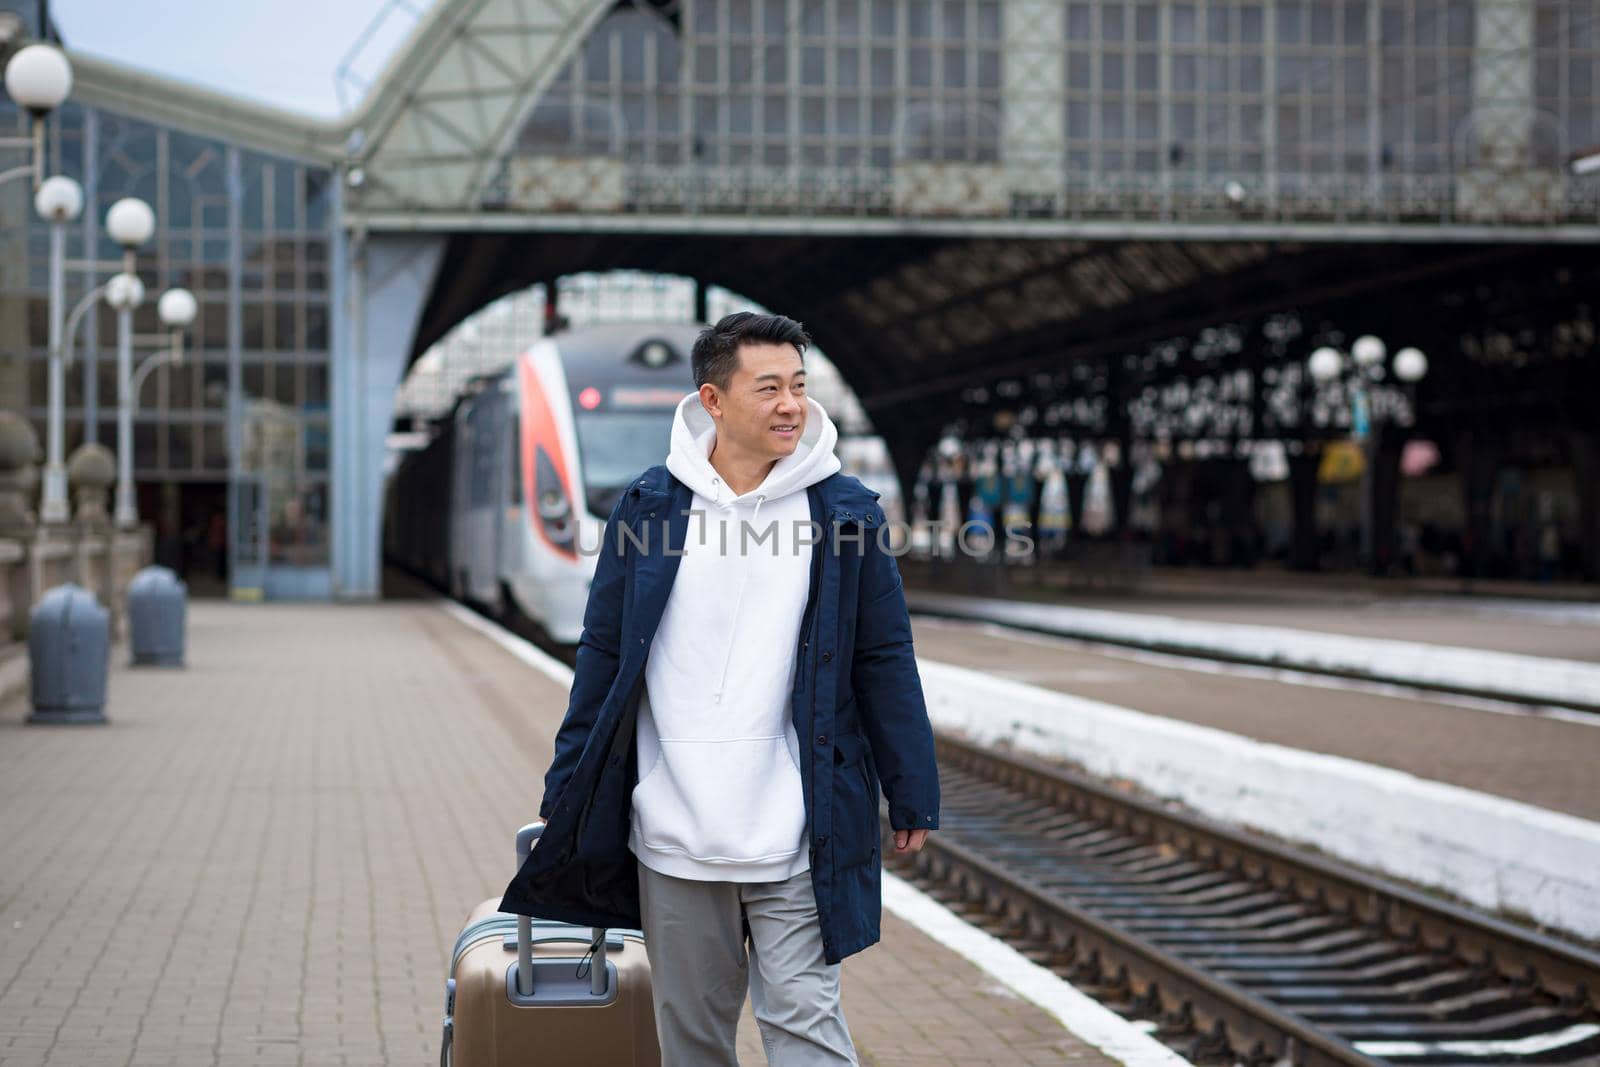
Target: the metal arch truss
(445, 139)
(449, 111)
(1191, 123)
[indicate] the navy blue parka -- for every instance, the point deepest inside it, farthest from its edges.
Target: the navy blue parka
(858, 712)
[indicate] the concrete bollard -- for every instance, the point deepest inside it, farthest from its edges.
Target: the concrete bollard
(69, 652)
(157, 605)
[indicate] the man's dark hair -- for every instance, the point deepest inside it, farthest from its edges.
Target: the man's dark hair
(716, 351)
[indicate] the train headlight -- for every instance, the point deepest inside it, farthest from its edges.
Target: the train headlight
(551, 504)
(654, 354)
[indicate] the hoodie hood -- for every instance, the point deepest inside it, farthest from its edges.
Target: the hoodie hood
(694, 433)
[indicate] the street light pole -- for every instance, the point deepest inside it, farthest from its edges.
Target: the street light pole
(1327, 365)
(130, 222)
(69, 336)
(177, 308)
(125, 299)
(1369, 353)
(54, 507)
(58, 201)
(38, 78)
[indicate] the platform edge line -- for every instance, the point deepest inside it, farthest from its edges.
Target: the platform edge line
(1078, 1013)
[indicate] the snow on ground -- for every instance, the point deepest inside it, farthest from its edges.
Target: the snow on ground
(1532, 679)
(1494, 853)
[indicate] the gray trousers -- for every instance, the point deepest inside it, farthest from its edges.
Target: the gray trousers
(695, 939)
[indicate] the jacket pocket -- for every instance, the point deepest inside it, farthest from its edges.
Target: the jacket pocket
(855, 803)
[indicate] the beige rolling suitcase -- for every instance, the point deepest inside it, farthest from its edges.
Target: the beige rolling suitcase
(530, 991)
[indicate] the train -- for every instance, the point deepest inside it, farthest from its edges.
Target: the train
(504, 505)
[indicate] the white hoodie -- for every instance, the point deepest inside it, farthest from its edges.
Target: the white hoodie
(719, 795)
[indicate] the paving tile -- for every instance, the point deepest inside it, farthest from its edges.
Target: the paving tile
(266, 856)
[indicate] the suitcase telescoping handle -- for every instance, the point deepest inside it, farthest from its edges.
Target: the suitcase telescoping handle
(597, 966)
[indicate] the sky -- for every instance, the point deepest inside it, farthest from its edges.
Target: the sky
(279, 52)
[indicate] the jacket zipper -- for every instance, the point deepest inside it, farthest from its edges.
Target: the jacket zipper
(811, 631)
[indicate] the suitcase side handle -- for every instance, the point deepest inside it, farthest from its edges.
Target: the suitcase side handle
(597, 969)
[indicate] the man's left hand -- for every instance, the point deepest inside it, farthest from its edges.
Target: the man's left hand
(909, 840)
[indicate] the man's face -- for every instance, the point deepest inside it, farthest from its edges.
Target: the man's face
(763, 410)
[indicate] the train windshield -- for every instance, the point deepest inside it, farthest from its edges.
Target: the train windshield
(615, 447)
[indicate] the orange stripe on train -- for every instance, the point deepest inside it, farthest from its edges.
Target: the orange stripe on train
(539, 430)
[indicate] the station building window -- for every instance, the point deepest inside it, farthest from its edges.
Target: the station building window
(846, 84)
(259, 269)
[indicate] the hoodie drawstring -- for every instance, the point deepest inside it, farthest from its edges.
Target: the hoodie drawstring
(738, 601)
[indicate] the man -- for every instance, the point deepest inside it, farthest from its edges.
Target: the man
(746, 634)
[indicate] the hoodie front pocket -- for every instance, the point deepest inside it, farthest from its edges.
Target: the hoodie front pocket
(726, 801)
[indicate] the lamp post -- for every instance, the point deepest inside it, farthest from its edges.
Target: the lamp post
(38, 77)
(176, 308)
(59, 200)
(130, 222)
(69, 342)
(124, 293)
(1363, 371)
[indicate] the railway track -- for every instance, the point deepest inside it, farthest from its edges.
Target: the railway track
(1236, 949)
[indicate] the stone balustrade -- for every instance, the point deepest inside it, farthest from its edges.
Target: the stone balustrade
(37, 557)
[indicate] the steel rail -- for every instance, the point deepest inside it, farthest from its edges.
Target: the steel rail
(1227, 1016)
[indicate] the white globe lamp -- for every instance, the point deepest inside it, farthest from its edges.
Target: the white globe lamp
(39, 78)
(124, 292)
(177, 308)
(130, 222)
(59, 199)
(1325, 364)
(1368, 351)
(1410, 365)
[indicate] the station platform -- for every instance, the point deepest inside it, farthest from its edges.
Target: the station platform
(1551, 629)
(266, 856)
(1516, 622)
(1544, 761)
(1480, 649)
(1275, 579)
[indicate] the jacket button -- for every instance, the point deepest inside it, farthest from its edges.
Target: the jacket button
(822, 739)
(826, 656)
(821, 841)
